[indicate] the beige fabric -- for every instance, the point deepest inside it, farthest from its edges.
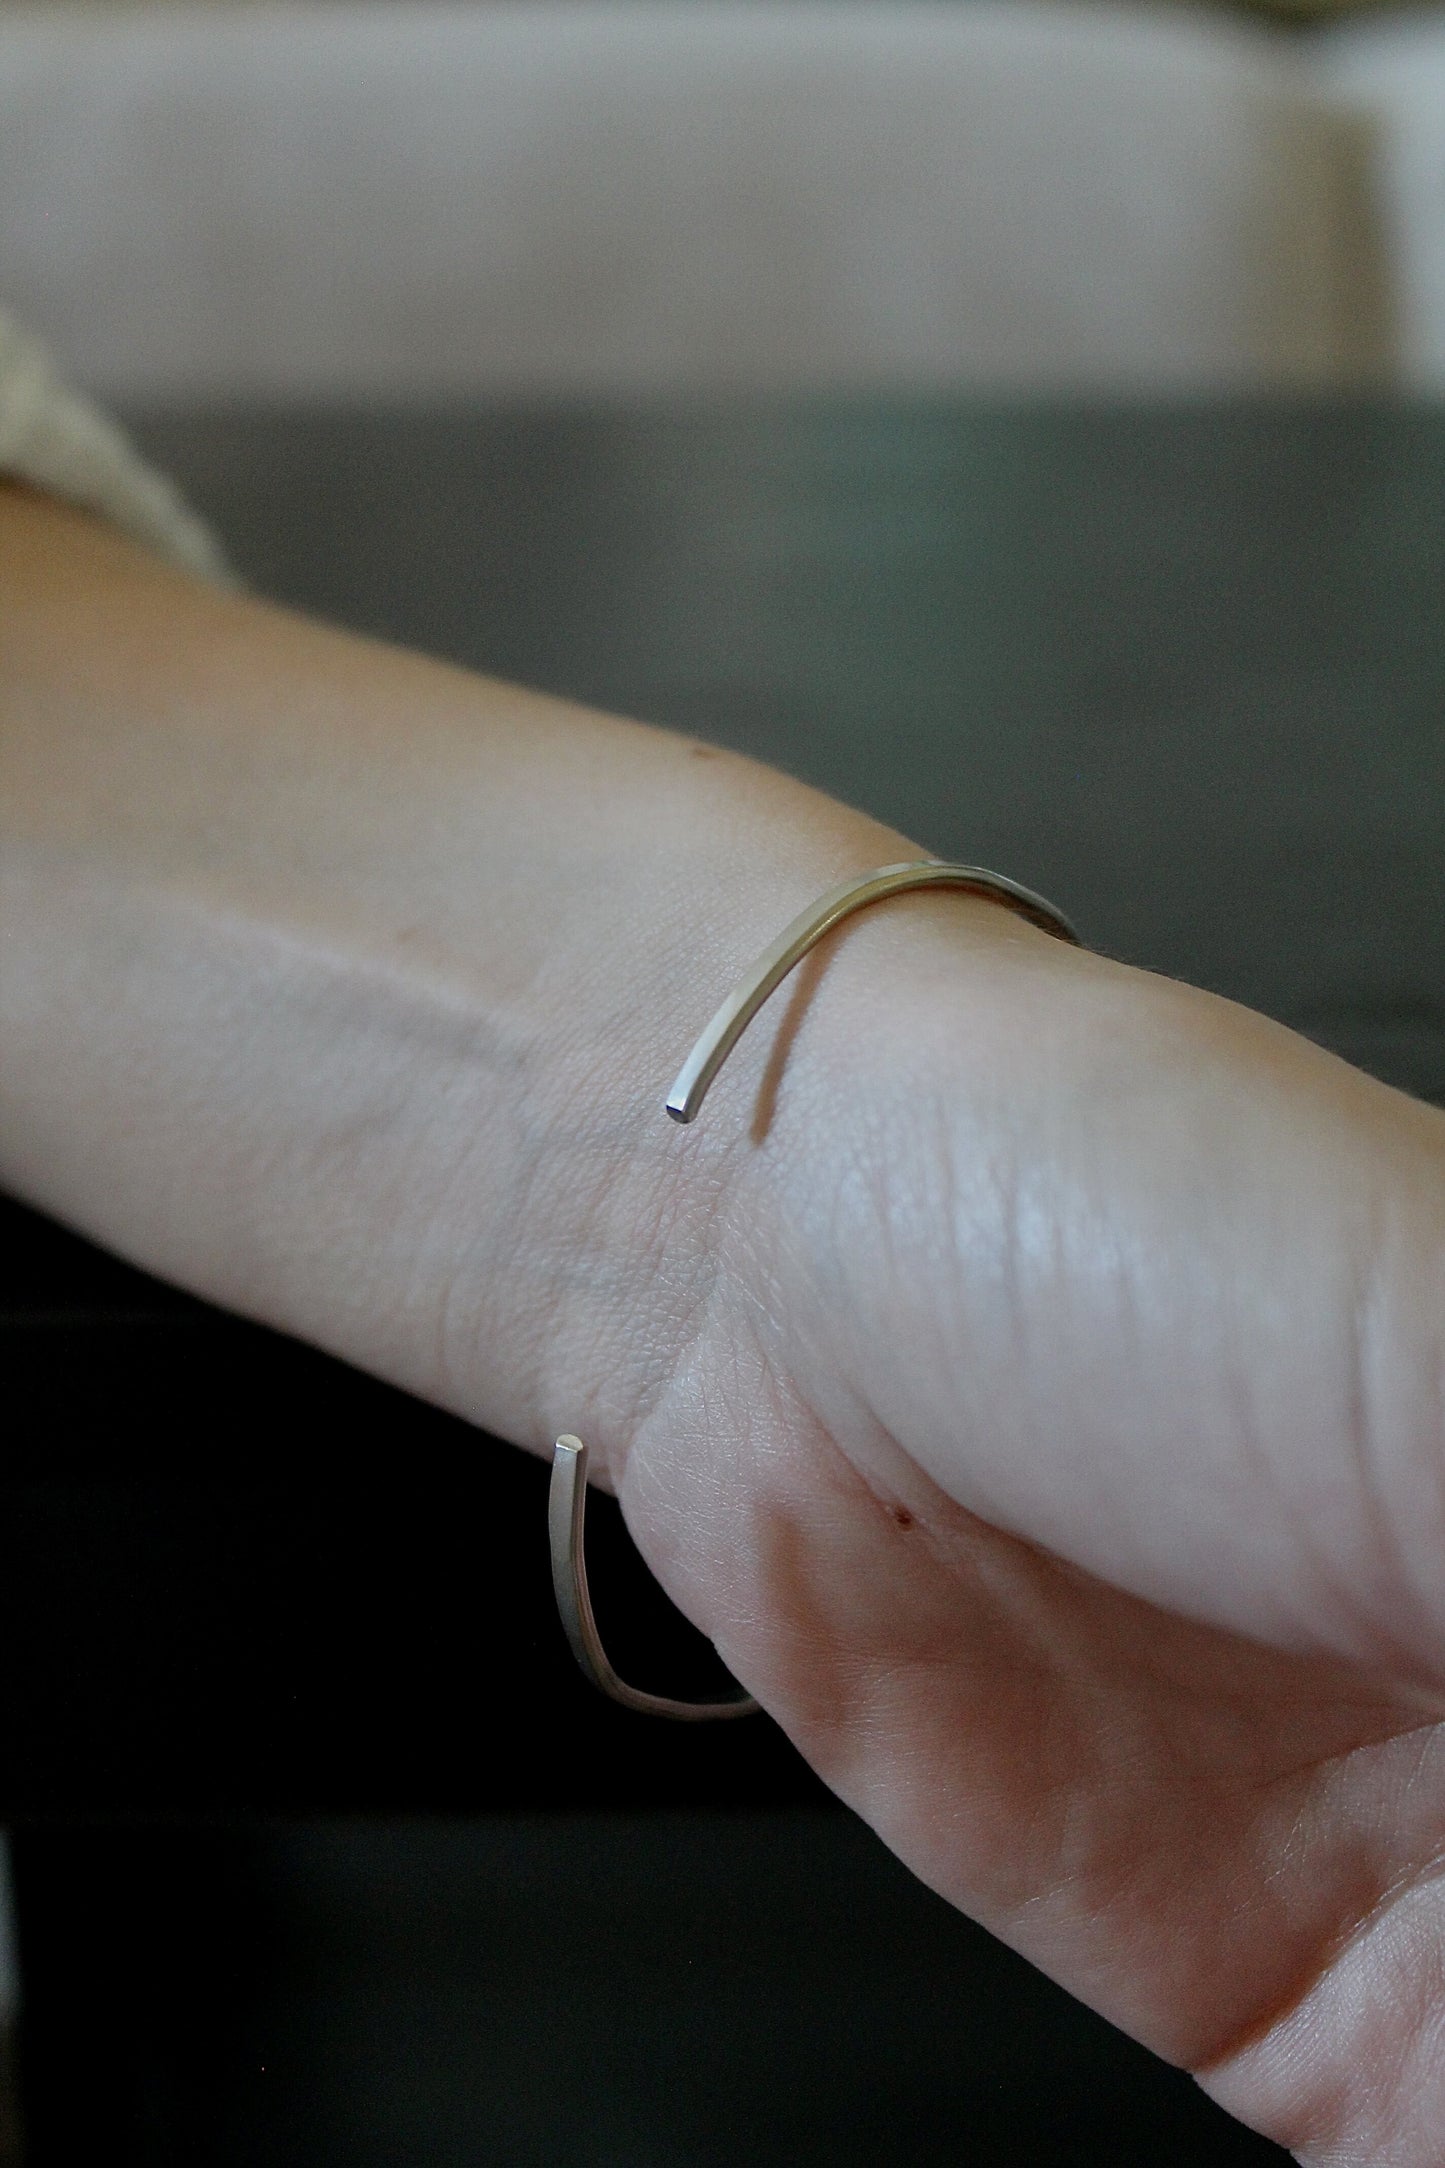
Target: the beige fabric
(57, 440)
(374, 201)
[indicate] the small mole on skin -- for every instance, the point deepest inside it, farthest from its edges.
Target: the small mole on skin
(902, 1516)
(704, 752)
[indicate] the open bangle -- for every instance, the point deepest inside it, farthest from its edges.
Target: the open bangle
(809, 927)
(567, 1503)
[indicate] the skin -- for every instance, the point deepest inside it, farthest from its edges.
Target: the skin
(1030, 1371)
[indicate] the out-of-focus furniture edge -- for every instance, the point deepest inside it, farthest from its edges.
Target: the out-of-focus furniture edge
(1391, 72)
(359, 201)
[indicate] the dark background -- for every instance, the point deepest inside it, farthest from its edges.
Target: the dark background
(325, 1854)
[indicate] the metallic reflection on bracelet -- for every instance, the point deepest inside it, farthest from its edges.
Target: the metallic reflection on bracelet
(568, 1498)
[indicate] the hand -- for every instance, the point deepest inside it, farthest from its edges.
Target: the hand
(1058, 1329)
(1031, 1372)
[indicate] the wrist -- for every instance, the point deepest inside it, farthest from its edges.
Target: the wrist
(630, 1222)
(346, 987)
(750, 1197)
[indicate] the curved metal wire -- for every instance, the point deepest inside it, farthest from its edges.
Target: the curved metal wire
(808, 928)
(567, 1503)
(566, 1514)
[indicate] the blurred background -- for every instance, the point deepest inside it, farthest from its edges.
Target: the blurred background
(405, 201)
(1019, 417)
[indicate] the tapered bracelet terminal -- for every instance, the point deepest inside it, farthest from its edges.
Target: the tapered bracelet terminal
(567, 1504)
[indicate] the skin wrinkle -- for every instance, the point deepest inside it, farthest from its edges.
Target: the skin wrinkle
(880, 1679)
(1351, 1593)
(1412, 1879)
(1315, 1543)
(436, 1017)
(1294, 1999)
(1372, 1368)
(440, 1010)
(667, 1252)
(228, 940)
(691, 1218)
(702, 1401)
(1036, 1239)
(459, 1324)
(865, 1720)
(1121, 1308)
(675, 1326)
(757, 1133)
(1025, 1248)
(1352, 1590)
(1317, 1961)
(1363, 1438)
(1148, 1807)
(1266, 1473)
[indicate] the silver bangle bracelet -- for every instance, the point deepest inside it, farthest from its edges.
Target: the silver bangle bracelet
(568, 1497)
(809, 927)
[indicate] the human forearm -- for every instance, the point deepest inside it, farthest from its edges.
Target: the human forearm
(335, 977)
(1029, 1371)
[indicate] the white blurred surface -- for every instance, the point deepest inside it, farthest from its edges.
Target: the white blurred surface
(577, 196)
(1392, 72)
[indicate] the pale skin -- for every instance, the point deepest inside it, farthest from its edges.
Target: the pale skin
(1030, 1371)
